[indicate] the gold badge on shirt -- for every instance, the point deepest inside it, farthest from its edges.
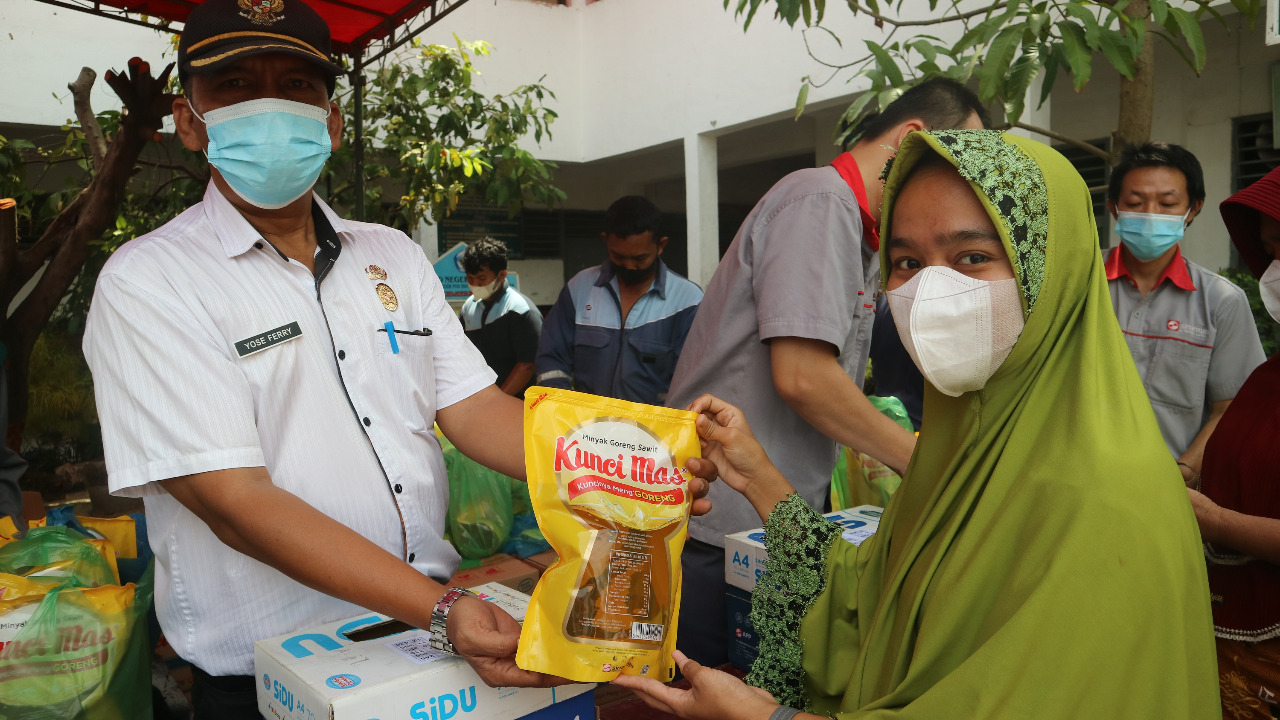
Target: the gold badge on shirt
(387, 296)
(375, 273)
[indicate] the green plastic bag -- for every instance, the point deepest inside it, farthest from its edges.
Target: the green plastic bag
(57, 552)
(480, 504)
(82, 654)
(858, 478)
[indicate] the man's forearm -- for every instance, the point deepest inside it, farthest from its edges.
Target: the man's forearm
(842, 413)
(808, 377)
(518, 379)
(488, 427)
(1194, 456)
(277, 528)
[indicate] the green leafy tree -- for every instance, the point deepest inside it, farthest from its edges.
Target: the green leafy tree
(1268, 328)
(1005, 46)
(432, 137)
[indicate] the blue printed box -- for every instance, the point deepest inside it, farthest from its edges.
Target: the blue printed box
(331, 672)
(745, 556)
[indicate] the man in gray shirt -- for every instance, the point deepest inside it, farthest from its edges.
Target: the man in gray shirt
(1191, 332)
(784, 330)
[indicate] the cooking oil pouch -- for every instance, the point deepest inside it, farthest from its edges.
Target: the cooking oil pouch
(609, 487)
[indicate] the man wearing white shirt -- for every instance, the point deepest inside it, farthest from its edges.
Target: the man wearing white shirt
(268, 375)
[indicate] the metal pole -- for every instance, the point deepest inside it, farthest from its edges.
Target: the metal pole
(357, 85)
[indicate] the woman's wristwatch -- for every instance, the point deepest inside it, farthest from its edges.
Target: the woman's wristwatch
(439, 638)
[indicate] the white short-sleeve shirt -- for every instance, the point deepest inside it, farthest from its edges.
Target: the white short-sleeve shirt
(211, 350)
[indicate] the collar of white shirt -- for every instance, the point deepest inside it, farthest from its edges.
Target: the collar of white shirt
(235, 232)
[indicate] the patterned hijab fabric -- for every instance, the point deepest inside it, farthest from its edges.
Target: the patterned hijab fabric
(1041, 558)
(1011, 188)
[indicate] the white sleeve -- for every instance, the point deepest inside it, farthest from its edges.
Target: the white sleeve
(171, 400)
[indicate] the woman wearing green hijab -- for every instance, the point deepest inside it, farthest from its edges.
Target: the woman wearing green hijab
(1041, 558)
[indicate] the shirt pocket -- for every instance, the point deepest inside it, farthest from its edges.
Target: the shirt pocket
(654, 364)
(593, 357)
(410, 377)
(1179, 375)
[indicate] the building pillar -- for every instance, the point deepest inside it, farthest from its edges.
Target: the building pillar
(702, 206)
(428, 237)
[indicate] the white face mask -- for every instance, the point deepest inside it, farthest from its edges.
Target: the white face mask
(484, 292)
(958, 330)
(1269, 288)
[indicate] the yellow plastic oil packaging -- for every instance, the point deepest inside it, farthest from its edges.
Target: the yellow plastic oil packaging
(610, 490)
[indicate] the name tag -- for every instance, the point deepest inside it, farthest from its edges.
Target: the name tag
(258, 343)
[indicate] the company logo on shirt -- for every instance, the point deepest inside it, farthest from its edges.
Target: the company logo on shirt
(1181, 327)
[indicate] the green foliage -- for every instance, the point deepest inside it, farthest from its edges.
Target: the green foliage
(1004, 46)
(433, 137)
(62, 420)
(1268, 328)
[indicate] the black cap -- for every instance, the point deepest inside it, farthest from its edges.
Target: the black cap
(219, 32)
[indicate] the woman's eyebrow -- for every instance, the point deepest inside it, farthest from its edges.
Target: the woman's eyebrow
(969, 235)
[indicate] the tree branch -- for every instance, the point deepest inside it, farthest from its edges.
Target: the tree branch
(1078, 144)
(856, 8)
(84, 113)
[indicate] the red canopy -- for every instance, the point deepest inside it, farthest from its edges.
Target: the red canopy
(354, 23)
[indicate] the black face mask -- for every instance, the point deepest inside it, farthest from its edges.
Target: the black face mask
(634, 276)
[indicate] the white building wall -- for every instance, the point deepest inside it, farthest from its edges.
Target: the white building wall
(43, 47)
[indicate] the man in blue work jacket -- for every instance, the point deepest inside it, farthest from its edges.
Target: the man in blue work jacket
(618, 329)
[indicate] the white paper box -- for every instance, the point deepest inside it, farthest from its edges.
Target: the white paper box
(321, 674)
(745, 556)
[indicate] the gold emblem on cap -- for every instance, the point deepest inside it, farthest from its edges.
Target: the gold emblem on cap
(262, 12)
(387, 296)
(375, 273)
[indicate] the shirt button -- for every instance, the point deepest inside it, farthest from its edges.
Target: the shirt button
(411, 557)
(399, 488)
(342, 354)
(258, 245)
(367, 422)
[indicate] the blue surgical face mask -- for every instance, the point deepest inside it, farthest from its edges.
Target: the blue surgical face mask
(1150, 235)
(270, 151)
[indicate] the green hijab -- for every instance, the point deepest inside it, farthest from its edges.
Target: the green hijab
(1041, 558)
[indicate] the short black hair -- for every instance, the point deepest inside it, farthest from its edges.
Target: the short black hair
(1157, 154)
(485, 253)
(633, 215)
(940, 103)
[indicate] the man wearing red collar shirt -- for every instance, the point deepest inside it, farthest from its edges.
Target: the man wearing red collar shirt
(1191, 332)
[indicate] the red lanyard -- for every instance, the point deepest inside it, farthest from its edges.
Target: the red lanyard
(848, 169)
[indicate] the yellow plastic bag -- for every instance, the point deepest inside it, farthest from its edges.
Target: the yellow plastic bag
(610, 490)
(121, 531)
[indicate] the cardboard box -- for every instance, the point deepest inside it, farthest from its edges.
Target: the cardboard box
(745, 556)
(505, 569)
(323, 674)
(542, 560)
(743, 643)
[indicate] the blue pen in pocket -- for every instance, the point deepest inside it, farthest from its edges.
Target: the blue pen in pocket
(391, 335)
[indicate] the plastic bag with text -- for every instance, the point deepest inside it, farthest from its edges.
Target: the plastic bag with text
(75, 653)
(609, 487)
